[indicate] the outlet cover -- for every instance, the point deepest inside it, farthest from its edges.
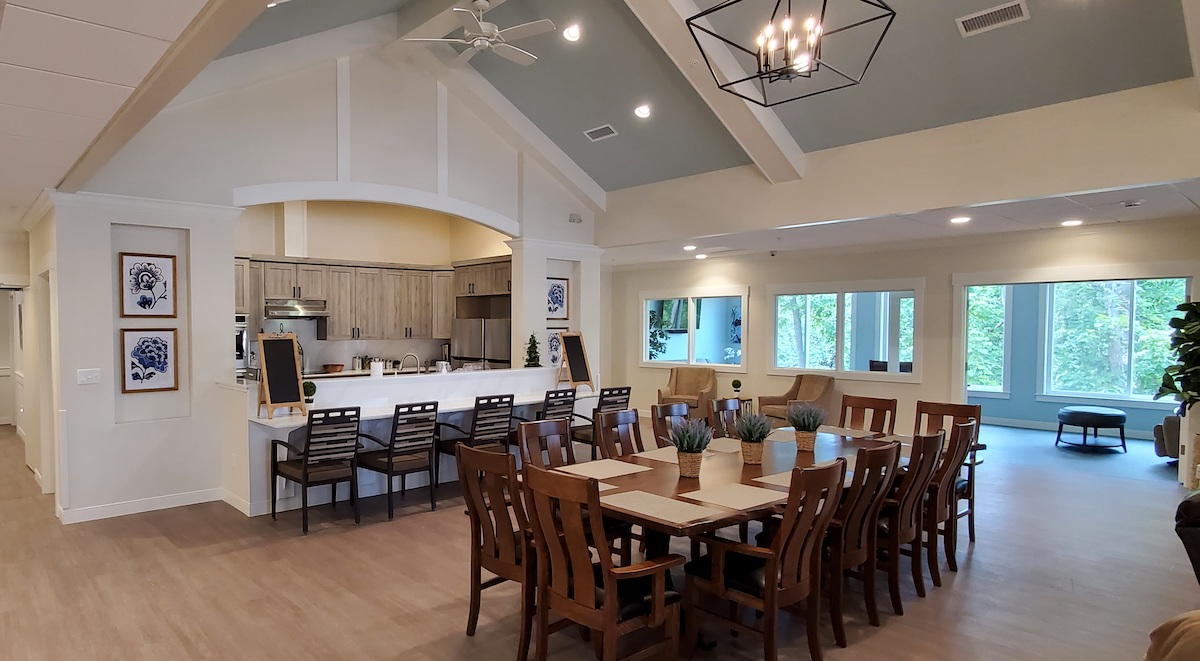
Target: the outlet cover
(88, 377)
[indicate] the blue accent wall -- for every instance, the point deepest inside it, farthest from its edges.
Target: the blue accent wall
(1026, 374)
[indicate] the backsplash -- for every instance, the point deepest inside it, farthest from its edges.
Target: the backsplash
(321, 352)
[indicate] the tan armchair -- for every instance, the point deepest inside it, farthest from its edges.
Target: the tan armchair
(1166, 437)
(694, 386)
(811, 388)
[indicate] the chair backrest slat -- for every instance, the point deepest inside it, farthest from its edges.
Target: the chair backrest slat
(413, 427)
(619, 433)
(855, 410)
(962, 437)
(332, 435)
(875, 471)
(723, 415)
(559, 404)
(812, 500)
(936, 416)
(546, 443)
(613, 399)
(492, 419)
(663, 419)
(923, 461)
(494, 504)
(564, 538)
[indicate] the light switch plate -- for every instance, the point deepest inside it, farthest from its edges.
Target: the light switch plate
(88, 377)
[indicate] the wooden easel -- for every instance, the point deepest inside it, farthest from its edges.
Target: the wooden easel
(574, 367)
(279, 383)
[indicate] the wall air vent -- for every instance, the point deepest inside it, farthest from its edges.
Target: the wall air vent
(996, 17)
(600, 132)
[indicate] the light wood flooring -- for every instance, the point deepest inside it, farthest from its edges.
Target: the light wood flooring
(1076, 559)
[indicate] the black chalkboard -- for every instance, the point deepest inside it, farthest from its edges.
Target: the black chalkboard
(280, 370)
(575, 356)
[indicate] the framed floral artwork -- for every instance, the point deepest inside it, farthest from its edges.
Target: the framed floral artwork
(147, 285)
(149, 359)
(558, 297)
(554, 344)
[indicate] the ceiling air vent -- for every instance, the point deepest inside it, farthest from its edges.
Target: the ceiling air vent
(996, 17)
(600, 132)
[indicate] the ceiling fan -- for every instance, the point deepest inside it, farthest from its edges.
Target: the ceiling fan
(479, 35)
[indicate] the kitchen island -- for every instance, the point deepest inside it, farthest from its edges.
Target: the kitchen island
(247, 467)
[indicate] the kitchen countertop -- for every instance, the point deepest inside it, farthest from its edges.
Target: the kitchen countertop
(387, 372)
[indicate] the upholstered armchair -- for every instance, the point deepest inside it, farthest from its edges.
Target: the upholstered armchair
(807, 388)
(1166, 437)
(694, 386)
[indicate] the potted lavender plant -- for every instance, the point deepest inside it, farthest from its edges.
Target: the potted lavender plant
(753, 429)
(805, 419)
(690, 438)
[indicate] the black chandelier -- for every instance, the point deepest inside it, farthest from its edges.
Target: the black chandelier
(784, 53)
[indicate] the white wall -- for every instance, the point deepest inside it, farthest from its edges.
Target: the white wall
(7, 368)
(38, 405)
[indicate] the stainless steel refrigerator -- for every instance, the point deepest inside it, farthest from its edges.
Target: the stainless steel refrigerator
(487, 341)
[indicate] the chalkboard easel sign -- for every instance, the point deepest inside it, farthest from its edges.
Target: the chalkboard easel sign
(279, 383)
(574, 367)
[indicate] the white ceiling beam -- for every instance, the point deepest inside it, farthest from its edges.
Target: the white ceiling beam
(1191, 20)
(758, 130)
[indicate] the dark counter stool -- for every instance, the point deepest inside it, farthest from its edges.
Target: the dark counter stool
(1094, 418)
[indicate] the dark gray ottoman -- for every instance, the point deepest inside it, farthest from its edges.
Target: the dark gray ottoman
(1094, 418)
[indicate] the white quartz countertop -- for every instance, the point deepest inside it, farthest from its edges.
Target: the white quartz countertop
(408, 371)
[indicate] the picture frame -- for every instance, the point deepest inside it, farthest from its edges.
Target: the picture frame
(558, 298)
(149, 358)
(147, 285)
(554, 344)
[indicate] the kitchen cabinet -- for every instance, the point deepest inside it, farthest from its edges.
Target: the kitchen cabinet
(443, 304)
(254, 299)
(368, 303)
(408, 304)
(339, 302)
(241, 286)
(310, 282)
(483, 279)
(501, 278)
(302, 281)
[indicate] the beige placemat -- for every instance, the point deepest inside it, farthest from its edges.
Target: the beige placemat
(725, 445)
(842, 431)
(603, 469)
(736, 496)
(901, 438)
(785, 479)
(659, 507)
(668, 454)
(782, 435)
(605, 486)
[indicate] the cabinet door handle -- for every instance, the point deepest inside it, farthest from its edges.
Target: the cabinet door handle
(300, 293)
(510, 285)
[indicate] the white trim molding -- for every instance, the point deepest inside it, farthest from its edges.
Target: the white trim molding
(138, 506)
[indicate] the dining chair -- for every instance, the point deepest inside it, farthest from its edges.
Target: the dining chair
(557, 404)
(409, 449)
(723, 414)
(663, 418)
(610, 399)
(491, 421)
(619, 433)
(900, 517)
(941, 502)
(851, 539)
(500, 532)
(783, 574)
(329, 456)
(932, 416)
(611, 600)
(882, 414)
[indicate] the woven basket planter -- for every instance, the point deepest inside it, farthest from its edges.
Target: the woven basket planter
(689, 464)
(806, 441)
(752, 453)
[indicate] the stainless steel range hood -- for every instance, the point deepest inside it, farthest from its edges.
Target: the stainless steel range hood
(294, 309)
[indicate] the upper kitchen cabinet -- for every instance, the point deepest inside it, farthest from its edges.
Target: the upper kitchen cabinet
(241, 286)
(300, 281)
(443, 304)
(279, 280)
(340, 304)
(483, 279)
(501, 279)
(356, 304)
(311, 282)
(408, 304)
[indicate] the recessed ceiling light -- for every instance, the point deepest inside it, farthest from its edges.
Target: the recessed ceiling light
(959, 220)
(689, 248)
(571, 32)
(701, 256)
(642, 111)
(1072, 223)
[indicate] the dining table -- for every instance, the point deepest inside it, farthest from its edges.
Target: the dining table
(646, 489)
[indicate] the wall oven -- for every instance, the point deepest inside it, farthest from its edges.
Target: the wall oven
(241, 341)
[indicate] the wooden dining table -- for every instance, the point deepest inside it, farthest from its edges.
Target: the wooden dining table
(659, 500)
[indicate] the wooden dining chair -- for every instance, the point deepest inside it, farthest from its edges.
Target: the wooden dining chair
(664, 417)
(852, 533)
(882, 414)
(941, 503)
(611, 600)
(500, 532)
(610, 399)
(329, 456)
(619, 433)
(557, 404)
(900, 518)
(786, 573)
(409, 449)
(491, 421)
(932, 416)
(723, 414)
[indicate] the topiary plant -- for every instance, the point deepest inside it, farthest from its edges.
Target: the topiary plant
(1183, 378)
(310, 389)
(753, 428)
(532, 357)
(691, 436)
(737, 385)
(805, 417)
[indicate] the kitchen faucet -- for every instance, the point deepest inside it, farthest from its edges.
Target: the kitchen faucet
(415, 357)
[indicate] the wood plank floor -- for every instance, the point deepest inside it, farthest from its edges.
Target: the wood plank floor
(1076, 559)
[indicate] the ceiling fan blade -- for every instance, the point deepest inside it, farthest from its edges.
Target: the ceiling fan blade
(527, 29)
(444, 41)
(518, 55)
(464, 57)
(469, 20)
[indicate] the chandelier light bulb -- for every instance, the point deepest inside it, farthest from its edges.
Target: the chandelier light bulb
(793, 44)
(787, 23)
(762, 40)
(769, 30)
(771, 46)
(810, 23)
(817, 30)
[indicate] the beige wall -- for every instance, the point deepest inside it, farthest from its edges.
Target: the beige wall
(1089, 252)
(470, 240)
(254, 232)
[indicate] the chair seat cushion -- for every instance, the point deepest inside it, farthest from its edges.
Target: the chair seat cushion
(693, 402)
(775, 411)
(293, 469)
(582, 434)
(742, 573)
(634, 595)
(962, 487)
(377, 460)
(1091, 416)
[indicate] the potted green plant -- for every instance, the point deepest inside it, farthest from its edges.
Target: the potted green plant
(1182, 380)
(805, 419)
(691, 438)
(737, 386)
(753, 429)
(310, 390)
(532, 357)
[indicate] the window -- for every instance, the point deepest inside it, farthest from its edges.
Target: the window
(702, 329)
(987, 334)
(1110, 338)
(851, 329)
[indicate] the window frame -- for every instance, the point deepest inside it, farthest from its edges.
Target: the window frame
(1005, 389)
(692, 293)
(841, 289)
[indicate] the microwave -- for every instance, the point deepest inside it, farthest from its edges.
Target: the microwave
(241, 340)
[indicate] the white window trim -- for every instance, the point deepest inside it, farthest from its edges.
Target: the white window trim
(693, 293)
(841, 288)
(1005, 384)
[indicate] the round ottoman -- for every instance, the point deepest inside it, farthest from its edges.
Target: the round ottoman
(1094, 418)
